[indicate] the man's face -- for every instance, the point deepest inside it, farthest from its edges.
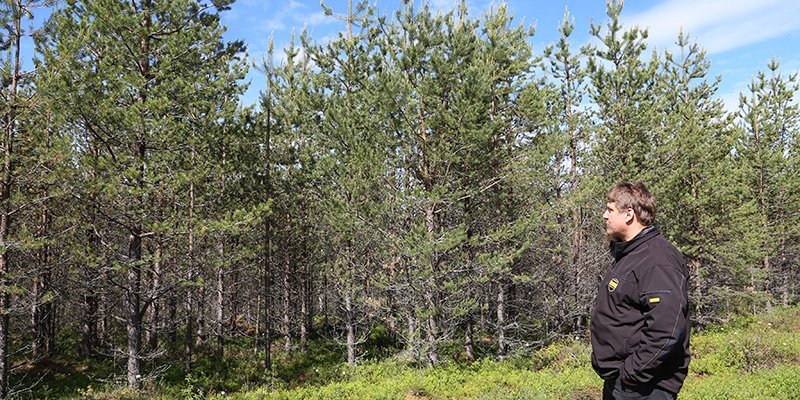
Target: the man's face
(616, 221)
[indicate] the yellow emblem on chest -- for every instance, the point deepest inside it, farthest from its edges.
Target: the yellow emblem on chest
(612, 284)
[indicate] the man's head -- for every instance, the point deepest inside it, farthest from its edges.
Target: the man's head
(630, 209)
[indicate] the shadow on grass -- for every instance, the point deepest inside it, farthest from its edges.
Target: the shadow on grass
(57, 378)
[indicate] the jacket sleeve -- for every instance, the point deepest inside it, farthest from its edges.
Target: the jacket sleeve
(663, 297)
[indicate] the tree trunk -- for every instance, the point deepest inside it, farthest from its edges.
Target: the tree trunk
(763, 206)
(155, 324)
(391, 318)
(786, 290)
(305, 297)
(432, 330)
(266, 294)
(5, 208)
(174, 297)
(42, 306)
(350, 327)
(134, 278)
(267, 270)
(501, 319)
(233, 308)
(91, 276)
(172, 304)
(133, 300)
(577, 233)
(431, 298)
(413, 335)
(576, 268)
(324, 303)
(103, 313)
(188, 336)
(220, 299)
(286, 320)
(697, 286)
(200, 312)
(155, 308)
(468, 351)
(257, 335)
(188, 339)
(88, 325)
(89, 315)
(5, 305)
(51, 329)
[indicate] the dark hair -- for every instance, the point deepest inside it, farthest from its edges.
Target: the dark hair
(635, 196)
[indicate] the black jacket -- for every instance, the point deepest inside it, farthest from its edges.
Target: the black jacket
(640, 326)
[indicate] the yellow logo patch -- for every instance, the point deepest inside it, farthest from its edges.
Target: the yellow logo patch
(655, 299)
(612, 284)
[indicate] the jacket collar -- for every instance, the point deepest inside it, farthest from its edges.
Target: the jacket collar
(620, 249)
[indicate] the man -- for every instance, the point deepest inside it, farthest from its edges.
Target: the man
(639, 326)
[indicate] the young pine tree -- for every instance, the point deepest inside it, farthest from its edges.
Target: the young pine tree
(136, 82)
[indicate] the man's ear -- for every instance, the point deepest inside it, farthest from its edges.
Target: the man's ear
(630, 216)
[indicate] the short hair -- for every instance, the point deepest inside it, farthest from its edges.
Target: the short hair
(634, 196)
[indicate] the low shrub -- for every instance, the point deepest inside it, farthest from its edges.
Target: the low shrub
(568, 354)
(757, 345)
(779, 383)
(756, 357)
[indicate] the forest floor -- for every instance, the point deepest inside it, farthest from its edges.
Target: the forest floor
(752, 357)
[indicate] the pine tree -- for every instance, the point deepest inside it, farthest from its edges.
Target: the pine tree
(428, 50)
(454, 79)
(137, 80)
(354, 148)
(622, 89)
(692, 156)
(502, 61)
(567, 121)
(17, 111)
(764, 155)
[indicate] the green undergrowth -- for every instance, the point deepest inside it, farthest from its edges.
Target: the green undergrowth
(487, 379)
(746, 358)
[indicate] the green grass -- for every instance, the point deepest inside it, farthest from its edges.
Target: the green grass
(482, 380)
(748, 358)
(780, 382)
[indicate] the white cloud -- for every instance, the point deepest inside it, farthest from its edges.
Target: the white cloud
(327, 38)
(443, 5)
(275, 24)
(292, 10)
(294, 5)
(743, 77)
(730, 100)
(718, 25)
(317, 18)
(475, 8)
(747, 31)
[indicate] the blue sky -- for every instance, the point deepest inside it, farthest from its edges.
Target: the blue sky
(741, 36)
